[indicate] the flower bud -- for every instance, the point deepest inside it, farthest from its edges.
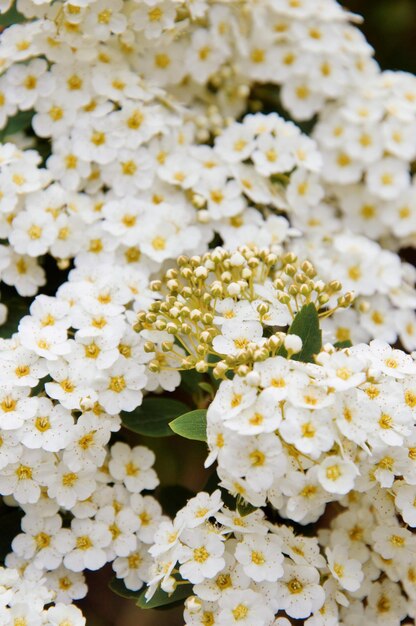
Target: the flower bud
(293, 344)
(156, 285)
(253, 379)
(234, 289)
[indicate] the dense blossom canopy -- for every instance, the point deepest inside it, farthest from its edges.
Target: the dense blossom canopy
(229, 185)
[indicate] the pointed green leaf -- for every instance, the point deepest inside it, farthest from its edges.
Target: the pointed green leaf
(162, 599)
(153, 416)
(117, 585)
(306, 326)
(192, 425)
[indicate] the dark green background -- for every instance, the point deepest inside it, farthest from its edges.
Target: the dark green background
(390, 27)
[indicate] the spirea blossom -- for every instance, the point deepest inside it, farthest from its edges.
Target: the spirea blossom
(188, 225)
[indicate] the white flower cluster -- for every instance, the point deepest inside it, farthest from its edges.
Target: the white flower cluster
(24, 596)
(245, 569)
(368, 148)
(80, 511)
(60, 400)
(385, 301)
(21, 179)
(126, 174)
(301, 435)
(197, 49)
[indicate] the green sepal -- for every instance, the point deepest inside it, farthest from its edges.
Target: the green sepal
(343, 344)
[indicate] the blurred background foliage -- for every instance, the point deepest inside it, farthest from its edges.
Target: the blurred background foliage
(390, 27)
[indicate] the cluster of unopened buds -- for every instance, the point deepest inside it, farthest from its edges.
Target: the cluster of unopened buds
(227, 310)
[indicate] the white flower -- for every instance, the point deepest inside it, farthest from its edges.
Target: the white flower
(135, 568)
(122, 525)
(25, 478)
(51, 428)
(33, 233)
(394, 542)
(347, 571)
(337, 475)
(64, 614)
(87, 447)
(388, 178)
(309, 431)
(16, 407)
(243, 607)
(236, 335)
(386, 605)
(90, 539)
(44, 541)
(149, 515)
(133, 466)
(201, 555)
(67, 585)
(261, 557)
(231, 576)
(299, 592)
(199, 509)
(405, 500)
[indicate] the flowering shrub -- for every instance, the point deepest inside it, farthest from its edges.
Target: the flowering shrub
(180, 257)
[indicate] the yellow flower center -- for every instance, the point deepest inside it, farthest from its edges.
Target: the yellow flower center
(257, 558)
(333, 472)
(42, 540)
(84, 542)
(295, 586)
(24, 472)
(201, 554)
(240, 612)
(117, 384)
(42, 424)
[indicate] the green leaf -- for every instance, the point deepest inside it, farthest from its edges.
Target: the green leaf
(244, 508)
(173, 497)
(306, 326)
(19, 122)
(161, 599)
(17, 308)
(343, 344)
(117, 585)
(153, 416)
(12, 16)
(192, 425)
(190, 380)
